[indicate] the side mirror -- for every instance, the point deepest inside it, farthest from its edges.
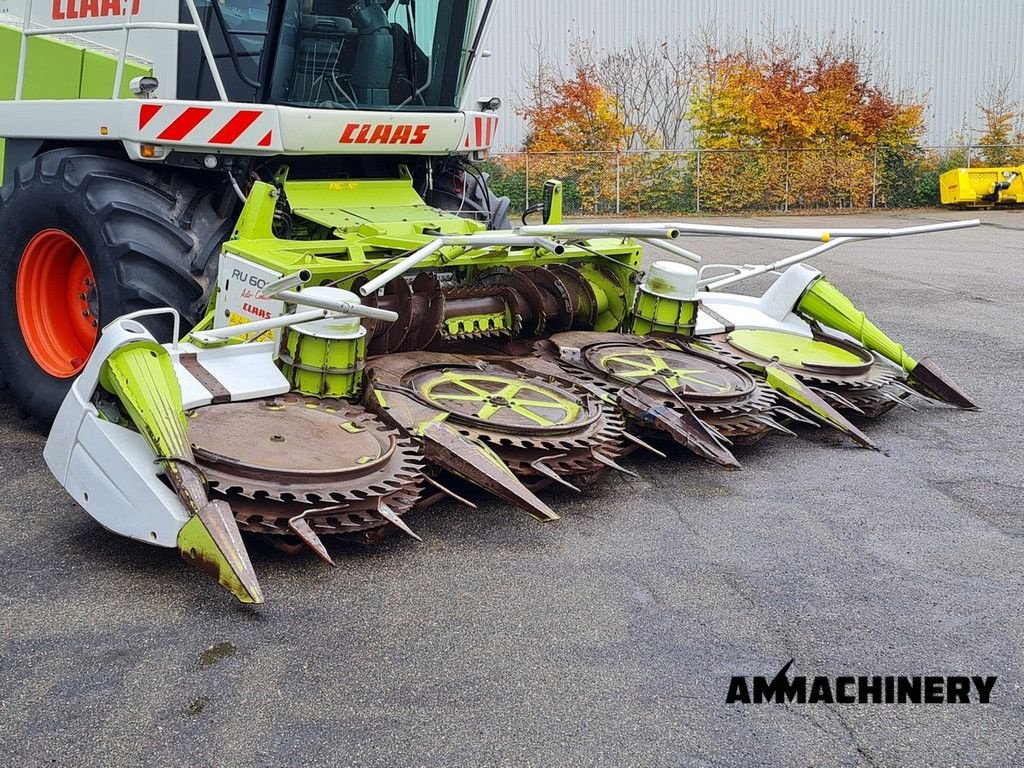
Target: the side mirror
(144, 86)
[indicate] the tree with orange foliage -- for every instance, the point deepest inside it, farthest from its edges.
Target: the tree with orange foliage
(776, 126)
(824, 112)
(574, 118)
(769, 98)
(574, 115)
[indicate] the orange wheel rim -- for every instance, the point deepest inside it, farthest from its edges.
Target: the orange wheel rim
(56, 301)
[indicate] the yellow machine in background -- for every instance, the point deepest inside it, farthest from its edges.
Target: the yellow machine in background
(982, 187)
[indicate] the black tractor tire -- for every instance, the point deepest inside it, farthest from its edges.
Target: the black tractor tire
(151, 237)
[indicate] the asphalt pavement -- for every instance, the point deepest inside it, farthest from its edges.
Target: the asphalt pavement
(607, 638)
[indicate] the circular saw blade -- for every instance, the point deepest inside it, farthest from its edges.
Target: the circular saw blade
(542, 414)
(722, 394)
(495, 400)
(523, 416)
(698, 378)
(849, 377)
(279, 457)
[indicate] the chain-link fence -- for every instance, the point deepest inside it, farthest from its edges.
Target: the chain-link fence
(685, 181)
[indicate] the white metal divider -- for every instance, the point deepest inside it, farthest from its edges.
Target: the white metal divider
(125, 27)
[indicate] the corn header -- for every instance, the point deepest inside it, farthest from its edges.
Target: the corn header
(257, 286)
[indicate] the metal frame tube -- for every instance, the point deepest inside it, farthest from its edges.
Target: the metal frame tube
(173, 26)
(588, 231)
(509, 241)
(831, 239)
(747, 272)
(258, 326)
(23, 51)
(672, 248)
(286, 283)
(204, 43)
(119, 69)
(340, 307)
(822, 235)
(402, 267)
(549, 245)
(458, 241)
(175, 330)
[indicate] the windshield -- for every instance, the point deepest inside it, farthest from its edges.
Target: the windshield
(372, 54)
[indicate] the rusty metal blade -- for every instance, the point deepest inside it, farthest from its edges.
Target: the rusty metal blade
(611, 463)
(301, 528)
(929, 379)
(466, 458)
(549, 473)
(392, 517)
(211, 541)
(829, 394)
(681, 424)
(449, 492)
(647, 446)
(773, 424)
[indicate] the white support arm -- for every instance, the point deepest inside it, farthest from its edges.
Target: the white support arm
(259, 326)
(459, 241)
(748, 271)
(672, 248)
(830, 239)
(339, 307)
(286, 283)
(821, 235)
(589, 231)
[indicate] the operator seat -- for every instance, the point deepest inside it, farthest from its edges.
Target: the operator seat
(375, 52)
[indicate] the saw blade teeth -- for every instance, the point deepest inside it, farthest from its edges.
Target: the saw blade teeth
(593, 423)
(266, 507)
(753, 396)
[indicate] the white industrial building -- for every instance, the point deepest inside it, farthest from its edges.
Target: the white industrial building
(940, 51)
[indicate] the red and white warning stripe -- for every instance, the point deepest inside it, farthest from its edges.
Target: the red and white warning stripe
(208, 125)
(480, 130)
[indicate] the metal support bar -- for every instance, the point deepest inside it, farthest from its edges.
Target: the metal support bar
(618, 183)
(672, 248)
(119, 69)
(785, 198)
(484, 241)
(821, 235)
(291, 318)
(259, 326)
(286, 283)
(697, 184)
(402, 267)
(746, 272)
(23, 51)
(204, 43)
(527, 180)
(175, 330)
(80, 28)
(874, 178)
(341, 307)
(832, 239)
(459, 241)
(589, 231)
